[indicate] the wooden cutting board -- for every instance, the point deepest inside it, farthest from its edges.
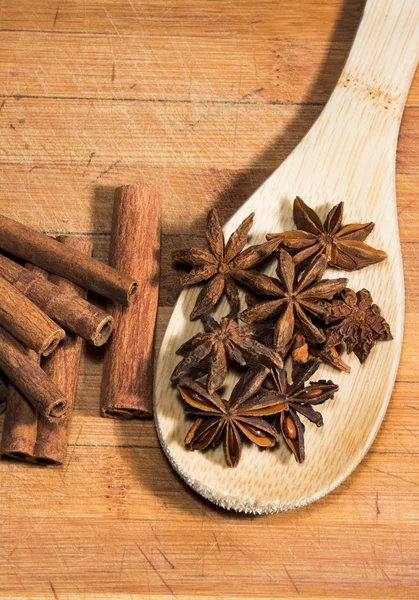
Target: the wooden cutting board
(203, 99)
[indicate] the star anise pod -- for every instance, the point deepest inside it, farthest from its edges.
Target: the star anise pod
(299, 400)
(220, 342)
(223, 265)
(297, 298)
(230, 420)
(301, 351)
(343, 247)
(357, 322)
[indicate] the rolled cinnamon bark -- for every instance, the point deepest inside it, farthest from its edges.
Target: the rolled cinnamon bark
(71, 311)
(26, 322)
(127, 383)
(3, 393)
(57, 258)
(20, 422)
(29, 378)
(62, 368)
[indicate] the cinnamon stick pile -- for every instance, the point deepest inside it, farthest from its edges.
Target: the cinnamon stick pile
(45, 316)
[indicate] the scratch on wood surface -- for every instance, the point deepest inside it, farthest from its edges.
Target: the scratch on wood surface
(89, 162)
(216, 542)
(113, 72)
(377, 506)
(395, 476)
(2, 104)
(171, 565)
(53, 590)
(155, 570)
(103, 173)
(122, 564)
(56, 17)
(292, 580)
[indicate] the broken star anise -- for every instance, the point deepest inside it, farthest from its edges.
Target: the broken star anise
(357, 322)
(220, 342)
(223, 265)
(298, 400)
(343, 247)
(297, 297)
(230, 420)
(300, 353)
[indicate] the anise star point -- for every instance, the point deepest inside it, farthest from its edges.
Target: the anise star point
(242, 416)
(221, 267)
(294, 299)
(298, 399)
(343, 247)
(220, 343)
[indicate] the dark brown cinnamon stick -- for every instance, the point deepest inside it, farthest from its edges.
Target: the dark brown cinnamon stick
(54, 257)
(26, 322)
(20, 422)
(62, 368)
(127, 384)
(3, 392)
(72, 312)
(29, 378)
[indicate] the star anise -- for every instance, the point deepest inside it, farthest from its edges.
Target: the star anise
(358, 323)
(343, 247)
(300, 353)
(241, 416)
(299, 400)
(220, 342)
(223, 265)
(297, 297)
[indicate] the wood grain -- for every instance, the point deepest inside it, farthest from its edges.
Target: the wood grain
(114, 522)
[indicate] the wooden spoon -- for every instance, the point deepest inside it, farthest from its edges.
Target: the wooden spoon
(349, 154)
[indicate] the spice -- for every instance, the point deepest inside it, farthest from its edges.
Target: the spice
(3, 393)
(29, 378)
(297, 298)
(223, 265)
(62, 368)
(21, 418)
(230, 421)
(358, 322)
(298, 400)
(292, 318)
(220, 342)
(26, 322)
(56, 258)
(127, 384)
(71, 311)
(343, 247)
(20, 422)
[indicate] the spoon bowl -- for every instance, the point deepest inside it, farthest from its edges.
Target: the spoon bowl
(348, 155)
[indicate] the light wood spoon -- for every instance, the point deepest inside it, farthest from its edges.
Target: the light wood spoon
(349, 154)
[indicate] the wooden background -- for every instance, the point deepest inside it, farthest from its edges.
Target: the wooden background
(202, 98)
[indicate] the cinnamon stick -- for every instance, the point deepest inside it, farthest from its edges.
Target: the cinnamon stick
(20, 422)
(71, 311)
(29, 378)
(62, 368)
(26, 322)
(57, 258)
(127, 383)
(3, 392)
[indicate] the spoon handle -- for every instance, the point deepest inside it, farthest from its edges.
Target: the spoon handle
(353, 143)
(385, 53)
